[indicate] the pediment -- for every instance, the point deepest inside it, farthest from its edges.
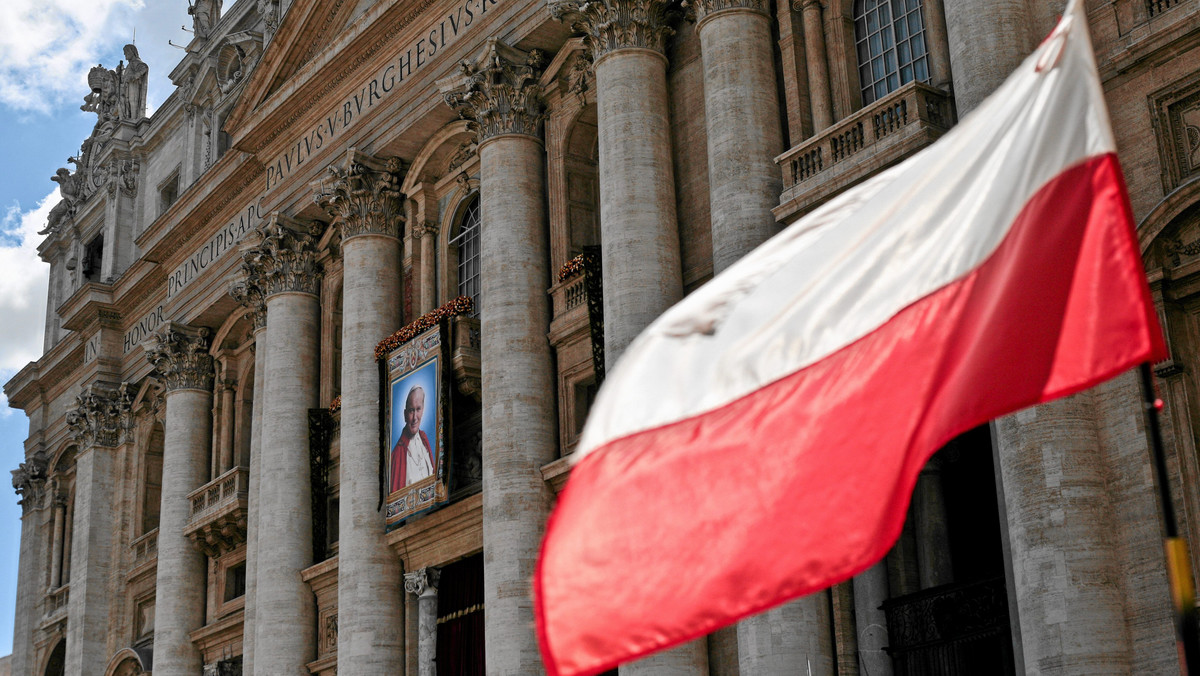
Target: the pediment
(308, 27)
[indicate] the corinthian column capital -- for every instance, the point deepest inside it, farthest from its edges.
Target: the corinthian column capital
(499, 93)
(179, 354)
(610, 25)
(101, 416)
(29, 479)
(706, 8)
(285, 258)
(249, 294)
(418, 582)
(363, 195)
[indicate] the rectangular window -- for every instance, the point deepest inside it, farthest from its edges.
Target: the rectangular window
(235, 581)
(168, 192)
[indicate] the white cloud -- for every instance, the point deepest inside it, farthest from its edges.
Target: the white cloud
(23, 281)
(47, 47)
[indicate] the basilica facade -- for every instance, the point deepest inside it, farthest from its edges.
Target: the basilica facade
(212, 482)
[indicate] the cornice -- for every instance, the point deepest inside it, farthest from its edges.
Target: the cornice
(322, 75)
(81, 307)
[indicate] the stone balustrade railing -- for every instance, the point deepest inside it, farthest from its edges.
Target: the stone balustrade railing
(145, 548)
(874, 138)
(56, 604)
(218, 520)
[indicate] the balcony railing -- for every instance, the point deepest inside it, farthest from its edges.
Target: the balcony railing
(952, 630)
(145, 548)
(218, 521)
(872, 139)
(56, 604)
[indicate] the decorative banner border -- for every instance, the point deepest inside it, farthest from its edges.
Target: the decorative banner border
(416, 396)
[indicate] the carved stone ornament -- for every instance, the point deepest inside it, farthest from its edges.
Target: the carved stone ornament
(249, 294)
(29, 480)
(179, 354)
(116, 96)
(363, 195)
(500, 94)
(285, 259)
(420, 581)
(102, 415)
(609, 25)
(703, 8)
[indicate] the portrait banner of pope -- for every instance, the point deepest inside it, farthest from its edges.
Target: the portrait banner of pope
(414, 464)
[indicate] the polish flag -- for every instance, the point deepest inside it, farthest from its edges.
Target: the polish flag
(761, 439)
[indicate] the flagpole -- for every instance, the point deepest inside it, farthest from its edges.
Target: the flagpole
(1179, 569)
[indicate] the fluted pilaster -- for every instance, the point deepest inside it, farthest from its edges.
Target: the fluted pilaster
(362, 194)
(518, 380)
(181, 360)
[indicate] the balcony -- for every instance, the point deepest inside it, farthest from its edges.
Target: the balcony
(465, 357)
(56, 605)
(218, 521)
(951, 630)
(876, 137)
(145, 549)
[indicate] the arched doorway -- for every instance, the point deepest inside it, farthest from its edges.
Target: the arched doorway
(56, 665)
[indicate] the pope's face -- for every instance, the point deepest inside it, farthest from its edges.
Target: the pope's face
(414, 408)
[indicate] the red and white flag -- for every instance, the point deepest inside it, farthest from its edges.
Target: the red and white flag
(761, 439)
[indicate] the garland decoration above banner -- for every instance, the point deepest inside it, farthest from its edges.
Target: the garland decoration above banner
(571, 268)
(336, 404)
(458, 306)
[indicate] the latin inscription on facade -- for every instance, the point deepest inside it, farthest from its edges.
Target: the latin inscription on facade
(142, 329)
(91, 349)
(225, 239)
(404, 66)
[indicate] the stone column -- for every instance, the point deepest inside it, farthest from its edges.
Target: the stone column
(794, 638)
(250, 295)
(283, 265)
(938, 44)
(503, 103)
(818, 69)
(364, 196)
(423, 584)
(741, 111)
(1064, 539)
(639, 230)
(870, 591)
(99, 423)
(988, 39)
(181, 361)
(226, 457)
(56, 541)
(427, 232)
(933, 537)
(29, 481)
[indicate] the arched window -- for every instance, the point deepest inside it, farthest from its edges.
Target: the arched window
(890, 36)
(467, 241)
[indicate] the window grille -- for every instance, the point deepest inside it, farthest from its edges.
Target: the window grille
(890, 38)
(468, 244)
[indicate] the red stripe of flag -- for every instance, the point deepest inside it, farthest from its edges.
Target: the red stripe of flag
(669, 533)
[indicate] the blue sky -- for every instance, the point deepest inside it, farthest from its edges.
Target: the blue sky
(46, 49)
